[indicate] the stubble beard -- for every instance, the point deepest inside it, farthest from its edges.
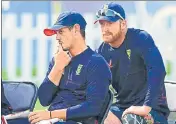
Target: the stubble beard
(114, 38)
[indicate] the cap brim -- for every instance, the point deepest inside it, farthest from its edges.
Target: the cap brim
(106, 18)
(51, 31)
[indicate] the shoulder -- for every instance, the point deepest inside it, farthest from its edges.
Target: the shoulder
(103, 44)
(141, 37)
(52, 61)
(94, 57)
(97, 59)
(138, 34)
(103, 48)
(98, 65)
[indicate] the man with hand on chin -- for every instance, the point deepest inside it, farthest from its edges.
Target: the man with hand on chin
(75, 87)
(137, 70)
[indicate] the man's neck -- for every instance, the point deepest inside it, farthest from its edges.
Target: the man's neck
(78, 48)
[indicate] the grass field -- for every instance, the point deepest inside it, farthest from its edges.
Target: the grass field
(38, 106)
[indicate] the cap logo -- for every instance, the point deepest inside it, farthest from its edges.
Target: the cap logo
(105, 6)
(56, 21)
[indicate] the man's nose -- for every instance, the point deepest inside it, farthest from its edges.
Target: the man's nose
(57, 36)
(105, 28)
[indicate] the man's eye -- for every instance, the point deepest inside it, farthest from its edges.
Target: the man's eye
(60, 31)
(101, 23)
(110, 23)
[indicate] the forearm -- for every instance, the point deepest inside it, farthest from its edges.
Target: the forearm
(46, 91)
(86, 109)
(61, 114)
(55, 75)
(155, 73)
(143, 110)
(96, 97)
(75, 112)
(50, 84)
(138, 110)
(155, 79)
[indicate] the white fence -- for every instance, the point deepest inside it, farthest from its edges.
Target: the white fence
(27, 33)
(166, 39)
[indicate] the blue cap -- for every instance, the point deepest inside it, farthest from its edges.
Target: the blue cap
(66, 19)
(114, 7)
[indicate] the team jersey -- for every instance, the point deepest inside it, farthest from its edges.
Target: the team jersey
(138, 71)
(82, 88)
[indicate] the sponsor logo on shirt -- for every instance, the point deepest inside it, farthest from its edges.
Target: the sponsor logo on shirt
(128, 53)
(78, 71)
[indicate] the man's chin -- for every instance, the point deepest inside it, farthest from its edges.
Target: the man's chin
(107, 41)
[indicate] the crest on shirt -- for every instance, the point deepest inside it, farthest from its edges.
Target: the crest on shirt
(79, 68)
(128, 53)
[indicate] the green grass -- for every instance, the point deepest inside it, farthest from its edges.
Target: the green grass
(38, 106)
(168, 67)
(18, 72)
(4, 74)
(34, 71)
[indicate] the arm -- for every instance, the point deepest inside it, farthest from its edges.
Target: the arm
(47, 85)
(51, 82)
(155, 74)
(98, 81)
(155, 68)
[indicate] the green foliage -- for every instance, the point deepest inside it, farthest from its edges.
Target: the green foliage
(34, 71)
(168, 67)
(18, 72)
(4, 74)
(38, 106)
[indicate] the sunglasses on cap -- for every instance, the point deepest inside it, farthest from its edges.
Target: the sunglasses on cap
(108, 12)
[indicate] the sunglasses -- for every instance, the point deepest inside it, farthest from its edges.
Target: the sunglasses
(108, 12)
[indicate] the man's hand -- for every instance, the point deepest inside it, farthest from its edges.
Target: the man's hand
(35, 117)
(138, 110)
(111, 119)
(61, 59)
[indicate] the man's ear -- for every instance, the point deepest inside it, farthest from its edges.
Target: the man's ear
(123, 24)
(76, 28)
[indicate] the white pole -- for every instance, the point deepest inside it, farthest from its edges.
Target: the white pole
(26, 46)
(42, 21)
(11, 44)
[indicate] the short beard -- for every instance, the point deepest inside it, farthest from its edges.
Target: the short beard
(115, 38)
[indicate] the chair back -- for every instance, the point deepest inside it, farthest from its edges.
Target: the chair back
(21, 95)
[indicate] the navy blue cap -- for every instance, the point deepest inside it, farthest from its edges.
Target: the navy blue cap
(114, 7)
(66, 19)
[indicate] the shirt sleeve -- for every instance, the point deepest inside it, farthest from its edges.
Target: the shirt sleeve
(155, 68)
(98, 81)
(47, 89)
